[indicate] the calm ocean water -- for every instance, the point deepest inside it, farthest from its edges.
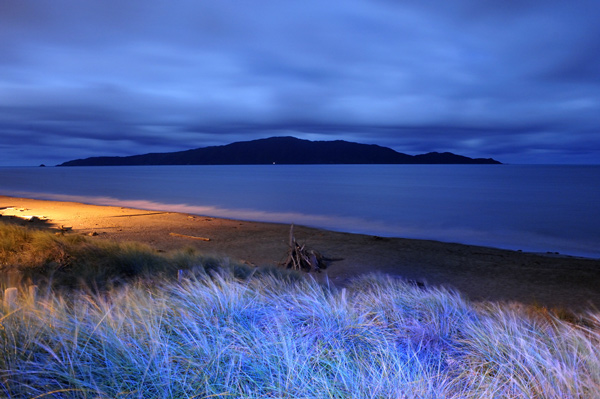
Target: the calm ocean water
(529, 207)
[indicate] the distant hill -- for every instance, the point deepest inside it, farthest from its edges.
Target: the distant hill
(282, 150)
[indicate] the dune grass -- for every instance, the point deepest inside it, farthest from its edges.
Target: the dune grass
(72, 260)
(231, 331)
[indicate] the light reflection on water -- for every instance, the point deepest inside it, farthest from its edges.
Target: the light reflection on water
(530, 207)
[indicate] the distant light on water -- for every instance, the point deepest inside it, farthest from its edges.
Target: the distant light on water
(529, 207)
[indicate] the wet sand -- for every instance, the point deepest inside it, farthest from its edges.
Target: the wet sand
(479, 273)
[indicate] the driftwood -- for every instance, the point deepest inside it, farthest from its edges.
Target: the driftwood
(186, 236)
(301, 258)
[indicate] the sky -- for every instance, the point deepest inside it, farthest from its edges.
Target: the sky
(515, 80)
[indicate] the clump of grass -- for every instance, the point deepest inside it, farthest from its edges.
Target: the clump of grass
(218, 335)
(73, 260)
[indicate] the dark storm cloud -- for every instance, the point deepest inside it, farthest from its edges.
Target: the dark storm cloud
(517, 80)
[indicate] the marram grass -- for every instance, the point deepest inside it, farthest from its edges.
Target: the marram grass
(236, 332)
(76, 261)
(270, 337)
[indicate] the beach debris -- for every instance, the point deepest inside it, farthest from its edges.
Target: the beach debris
(378, 238)
(32, 218)
(29, 218)
(187, 236)
(12, 211)
(301, 258)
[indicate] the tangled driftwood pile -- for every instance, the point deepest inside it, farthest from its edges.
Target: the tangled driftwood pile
(301, 258)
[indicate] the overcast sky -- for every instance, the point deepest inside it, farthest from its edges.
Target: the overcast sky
(516, 80)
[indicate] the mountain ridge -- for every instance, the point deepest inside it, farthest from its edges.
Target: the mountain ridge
(282, 150)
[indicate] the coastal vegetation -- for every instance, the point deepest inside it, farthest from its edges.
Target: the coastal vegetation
(112, 320)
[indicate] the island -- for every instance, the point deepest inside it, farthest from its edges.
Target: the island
(282, 150)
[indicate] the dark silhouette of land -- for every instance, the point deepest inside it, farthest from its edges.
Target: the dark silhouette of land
(283, 150)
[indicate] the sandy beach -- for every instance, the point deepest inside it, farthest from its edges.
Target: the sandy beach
(479, 273)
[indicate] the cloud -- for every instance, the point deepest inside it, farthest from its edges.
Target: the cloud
(477, 78)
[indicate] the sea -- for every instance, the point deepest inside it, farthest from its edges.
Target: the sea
(533, 208)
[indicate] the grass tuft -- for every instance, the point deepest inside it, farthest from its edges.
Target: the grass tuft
(41, 257)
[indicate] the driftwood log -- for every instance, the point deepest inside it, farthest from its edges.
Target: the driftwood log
(193, 237)
(301, 258)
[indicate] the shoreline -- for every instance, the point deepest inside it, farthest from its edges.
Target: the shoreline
(479, 273)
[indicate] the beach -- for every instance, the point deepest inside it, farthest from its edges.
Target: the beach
(479, 273)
